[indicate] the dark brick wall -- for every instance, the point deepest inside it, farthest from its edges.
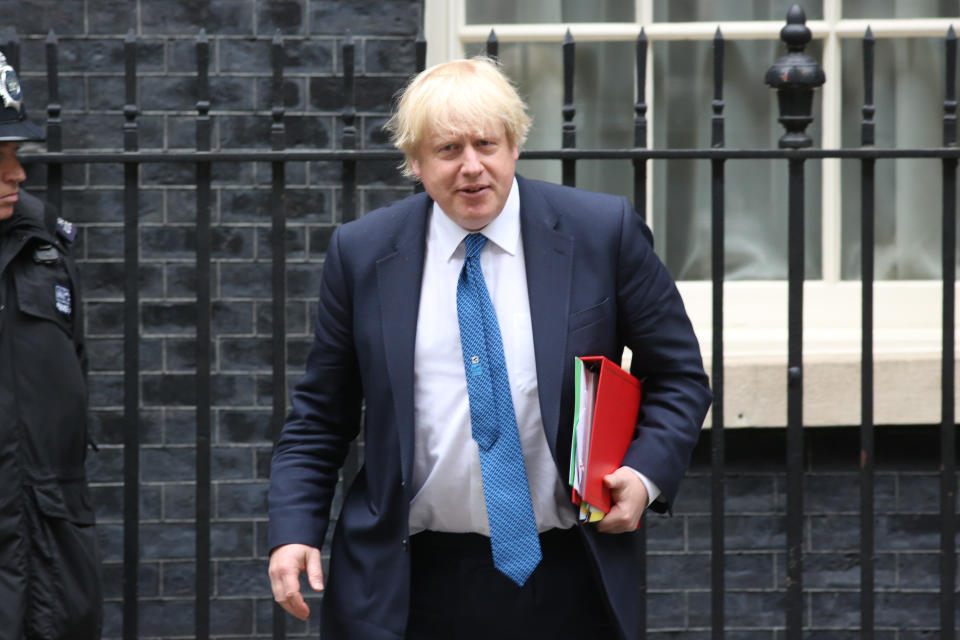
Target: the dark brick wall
(906, 530)
(91, 64)
(91, 34)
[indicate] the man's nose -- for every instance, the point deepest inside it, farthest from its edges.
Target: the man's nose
(12, 171)
(471, 161)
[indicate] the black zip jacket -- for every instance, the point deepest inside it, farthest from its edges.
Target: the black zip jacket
(49, 568)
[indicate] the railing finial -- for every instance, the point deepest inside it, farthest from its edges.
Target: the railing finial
(420, 50)
(493, 45)
(795, 76)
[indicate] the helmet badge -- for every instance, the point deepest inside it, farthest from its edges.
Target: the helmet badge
(10, 90)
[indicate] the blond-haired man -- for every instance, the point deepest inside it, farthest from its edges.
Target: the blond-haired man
(455, 315)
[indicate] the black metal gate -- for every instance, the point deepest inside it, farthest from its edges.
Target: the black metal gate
(795, 78)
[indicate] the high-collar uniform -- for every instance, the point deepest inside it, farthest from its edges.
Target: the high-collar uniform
(594, 286)
(49, 570)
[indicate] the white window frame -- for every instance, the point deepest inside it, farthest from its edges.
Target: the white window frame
(907, 314)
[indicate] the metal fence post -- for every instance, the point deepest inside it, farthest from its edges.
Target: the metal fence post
(795, 76)
(569, 128)
(640, 127)
(493, 46)
(717, 511)
(278, 270)
(867, 226)
(351, 464)
(202, 595)
(349, 115)
(420, 54)
(54, 134)
(131, 348)
(11, 50)
(948, 455)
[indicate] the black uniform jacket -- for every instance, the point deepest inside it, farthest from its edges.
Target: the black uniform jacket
(49, 571)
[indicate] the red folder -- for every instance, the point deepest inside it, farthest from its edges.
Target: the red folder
(614, 402)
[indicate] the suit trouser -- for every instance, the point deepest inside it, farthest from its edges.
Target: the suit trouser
(457, 594)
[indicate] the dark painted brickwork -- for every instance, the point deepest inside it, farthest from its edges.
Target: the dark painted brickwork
(91, 36)
(906, 528)
(92, 95)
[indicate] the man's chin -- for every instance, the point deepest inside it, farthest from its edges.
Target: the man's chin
(476, 218)
(476, 223)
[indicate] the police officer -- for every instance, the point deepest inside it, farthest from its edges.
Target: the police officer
(49, 570)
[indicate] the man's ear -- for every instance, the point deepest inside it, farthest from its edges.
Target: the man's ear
(415, 165)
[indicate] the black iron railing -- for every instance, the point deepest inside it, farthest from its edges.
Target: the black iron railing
(866, 347)
(795, 148)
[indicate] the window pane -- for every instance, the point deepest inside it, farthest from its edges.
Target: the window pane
(538, 11)
(756, 190)
(603, 98)
(901, 9)
(728, 10)
(908, 94)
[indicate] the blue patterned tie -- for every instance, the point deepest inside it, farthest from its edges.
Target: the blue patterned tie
(513, 529)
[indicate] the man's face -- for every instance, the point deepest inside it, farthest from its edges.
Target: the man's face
(469, 175)
(11, 175)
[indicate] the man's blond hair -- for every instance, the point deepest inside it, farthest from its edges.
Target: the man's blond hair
(459, 97)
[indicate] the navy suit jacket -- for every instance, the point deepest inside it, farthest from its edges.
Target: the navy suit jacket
(595, 286)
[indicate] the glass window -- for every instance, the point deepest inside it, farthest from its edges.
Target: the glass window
(908, 94)
(603, 99)
(909, 99)
(545, 11)
(730, 10)
(901, 9)
(756, 198)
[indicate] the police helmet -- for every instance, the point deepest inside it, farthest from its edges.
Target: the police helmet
(14, 124)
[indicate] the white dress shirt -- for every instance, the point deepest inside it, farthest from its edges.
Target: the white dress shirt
(447, 480)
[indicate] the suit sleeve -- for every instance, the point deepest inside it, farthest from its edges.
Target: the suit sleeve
(653, 323)
(324, 418)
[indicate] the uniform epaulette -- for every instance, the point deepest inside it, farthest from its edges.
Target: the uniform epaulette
(66, 230)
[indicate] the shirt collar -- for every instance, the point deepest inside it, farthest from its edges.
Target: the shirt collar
(504, 231)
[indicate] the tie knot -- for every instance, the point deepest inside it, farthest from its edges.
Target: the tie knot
(474, 244)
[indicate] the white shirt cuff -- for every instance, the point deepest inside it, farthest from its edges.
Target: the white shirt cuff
(653, 491)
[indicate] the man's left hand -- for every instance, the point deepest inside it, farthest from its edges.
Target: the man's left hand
(629, 497)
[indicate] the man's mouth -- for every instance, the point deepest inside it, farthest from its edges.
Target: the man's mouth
(473, 189)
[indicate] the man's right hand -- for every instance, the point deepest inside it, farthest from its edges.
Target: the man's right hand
(286, 563)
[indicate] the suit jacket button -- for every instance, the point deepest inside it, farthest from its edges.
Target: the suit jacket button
(405, 544)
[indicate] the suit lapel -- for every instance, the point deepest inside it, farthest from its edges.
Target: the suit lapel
(399, 275)
(549, 261)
